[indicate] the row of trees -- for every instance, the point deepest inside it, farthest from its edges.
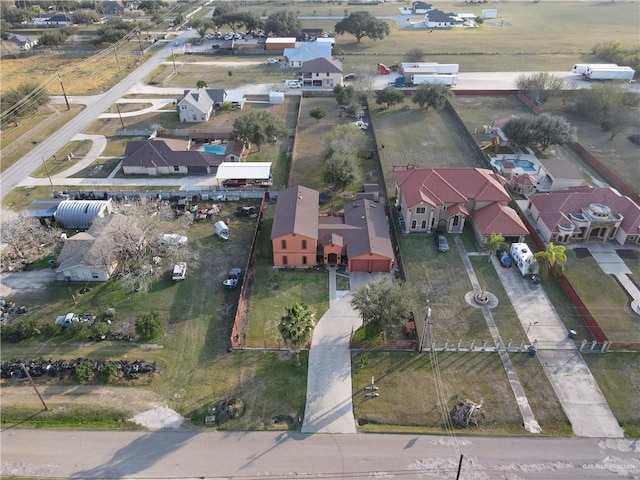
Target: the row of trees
(22, 100)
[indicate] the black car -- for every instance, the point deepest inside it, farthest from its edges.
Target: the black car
(440, 241)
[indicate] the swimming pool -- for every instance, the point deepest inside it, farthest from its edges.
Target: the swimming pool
(525, 165)
(217, 149)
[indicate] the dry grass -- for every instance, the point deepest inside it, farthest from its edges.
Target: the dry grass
(81, 76)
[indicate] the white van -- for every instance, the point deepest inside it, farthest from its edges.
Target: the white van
(293, 83)
(222, 230)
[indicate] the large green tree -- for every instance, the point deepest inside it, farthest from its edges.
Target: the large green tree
(494, 241)
(362, 24)
(318, 113)
(283, 23)
(382, 304)
(259, 128)
(338, 171)
(540, 131)
(611, 105)
(389, 96)
(22, 100)
(296, 327)
(431, 95)
(553, 258)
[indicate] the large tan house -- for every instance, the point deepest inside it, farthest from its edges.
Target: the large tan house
(357, 236)
(430, 199)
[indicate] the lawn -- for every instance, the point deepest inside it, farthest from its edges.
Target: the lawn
(605, 299)
(272, 290)
(59, 163)
(618, 375)
(408, 401)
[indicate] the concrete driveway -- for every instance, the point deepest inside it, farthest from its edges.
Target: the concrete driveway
(16, 282)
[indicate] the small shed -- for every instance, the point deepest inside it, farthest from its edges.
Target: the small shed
(489, 13)
(276, 98)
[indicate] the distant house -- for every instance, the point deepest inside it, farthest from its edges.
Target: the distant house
(162, 156)
(439, 19)
(306, 51)
(431, 199)
(583, 214)
(113, 7)
(90, 256)
(80, 214)
(59, 20)
(322, 73)
(421, 7)
(197, 105)
(358, 236)
(23, 42)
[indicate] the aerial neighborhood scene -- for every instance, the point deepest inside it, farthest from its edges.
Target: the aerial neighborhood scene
(319, 239)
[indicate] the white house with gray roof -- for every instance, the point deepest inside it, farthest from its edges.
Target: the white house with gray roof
(305, 51)
(197, 105)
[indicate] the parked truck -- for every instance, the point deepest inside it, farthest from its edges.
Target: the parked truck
(429, 67)
(581, 68)
(611, 73)
(437, 79)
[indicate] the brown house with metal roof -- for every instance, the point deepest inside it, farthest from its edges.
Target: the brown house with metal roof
(357, 236)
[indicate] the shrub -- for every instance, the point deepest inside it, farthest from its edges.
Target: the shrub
(148, 326)
(84, 372)
(109, 373)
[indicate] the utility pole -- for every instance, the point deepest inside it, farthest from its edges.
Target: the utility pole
(66, 100)
(427, 322)
(459, 467)
(26, 372)
(120, 115)
(115, 51)
(140, 42)
(173, 58)
(48, 176)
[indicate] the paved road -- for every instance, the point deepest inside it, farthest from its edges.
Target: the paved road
(12, 176)
(276, 455)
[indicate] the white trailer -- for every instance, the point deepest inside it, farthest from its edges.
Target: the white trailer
(524, 259)
(612, 73)
(418, 65)
(581, 68)
(437, 79)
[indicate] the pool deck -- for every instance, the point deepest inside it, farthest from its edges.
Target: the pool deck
(537, 170)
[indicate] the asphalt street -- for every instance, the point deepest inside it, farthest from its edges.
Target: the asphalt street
(197, 454)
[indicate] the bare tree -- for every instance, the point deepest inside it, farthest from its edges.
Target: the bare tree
(26, 238)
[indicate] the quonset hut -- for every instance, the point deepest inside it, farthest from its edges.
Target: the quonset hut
(80, 213)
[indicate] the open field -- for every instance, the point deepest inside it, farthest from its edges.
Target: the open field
(408, 400)
(58, 163)
(81, 76)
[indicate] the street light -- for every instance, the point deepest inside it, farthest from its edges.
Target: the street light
(529, 327)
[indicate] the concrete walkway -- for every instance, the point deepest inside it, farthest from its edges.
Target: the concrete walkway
(529, 420)
(329, 406)
(577, 390)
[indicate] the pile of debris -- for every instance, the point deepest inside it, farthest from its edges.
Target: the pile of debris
(12, 369)
(224, 410)
(467, 414)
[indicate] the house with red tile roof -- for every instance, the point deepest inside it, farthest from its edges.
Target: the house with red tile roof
(431, 199)
(582, 214)
(357, 236)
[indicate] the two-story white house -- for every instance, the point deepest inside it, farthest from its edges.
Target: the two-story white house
(198, 105)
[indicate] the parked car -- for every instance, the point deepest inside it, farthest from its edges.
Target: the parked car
(233, 277)
(350, 76)
(172, 239)
(293, 83)
(179, 271)
(361, 124)
(504, 258)
(228, 36)
(272, 61)
(245, 211)
(440, 241)
(176, 44)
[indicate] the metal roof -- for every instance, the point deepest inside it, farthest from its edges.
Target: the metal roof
(248, 170)
(80, 213)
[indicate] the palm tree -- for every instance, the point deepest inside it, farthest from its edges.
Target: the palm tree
(553, 258)
(201, 84)
(296, 327)
(494, 241)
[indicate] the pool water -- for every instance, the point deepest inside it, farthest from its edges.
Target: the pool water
(217, 149)
(525, 165)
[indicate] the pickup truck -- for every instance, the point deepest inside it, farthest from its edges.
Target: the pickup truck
(67, 320)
